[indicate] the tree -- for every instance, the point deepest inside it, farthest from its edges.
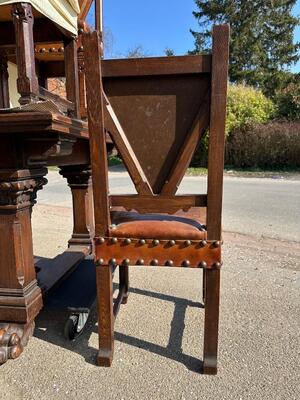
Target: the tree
(262, 33)
(136, 52)
(169, 52)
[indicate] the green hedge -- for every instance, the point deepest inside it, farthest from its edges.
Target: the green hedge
(245, 105)
(272, 145)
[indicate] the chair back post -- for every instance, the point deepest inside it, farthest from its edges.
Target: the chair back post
(95, 106)
(219, 78)
(4, 90)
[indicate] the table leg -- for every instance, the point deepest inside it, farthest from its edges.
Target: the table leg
(20, 296)
(80, 183)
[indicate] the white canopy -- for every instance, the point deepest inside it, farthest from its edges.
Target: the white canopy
(63, 12)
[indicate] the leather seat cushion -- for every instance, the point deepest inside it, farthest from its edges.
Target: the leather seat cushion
(155, 226)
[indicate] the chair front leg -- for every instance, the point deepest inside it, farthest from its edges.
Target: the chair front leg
(124, 281)
(211, 323)
(105, 315)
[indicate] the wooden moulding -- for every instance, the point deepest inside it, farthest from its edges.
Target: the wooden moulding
(184, 253)
(158, 204)
(197, 64)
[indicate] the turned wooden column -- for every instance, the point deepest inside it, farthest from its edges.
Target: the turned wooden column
(20, 296)
(80, 183)
(27, 82)
(4, 91)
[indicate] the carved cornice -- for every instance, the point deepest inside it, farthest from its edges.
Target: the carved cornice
(23, 12)
(79, 175)
(20, 193)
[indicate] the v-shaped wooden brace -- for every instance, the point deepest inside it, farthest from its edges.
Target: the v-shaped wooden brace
(118, 136)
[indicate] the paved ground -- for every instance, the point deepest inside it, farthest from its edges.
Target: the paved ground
(159, 332)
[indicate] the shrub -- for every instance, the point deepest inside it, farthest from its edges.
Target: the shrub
(245, 105)
(288, 101)
(271, 145)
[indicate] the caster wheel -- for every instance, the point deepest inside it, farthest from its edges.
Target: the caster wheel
(75, 325)
(70, 330)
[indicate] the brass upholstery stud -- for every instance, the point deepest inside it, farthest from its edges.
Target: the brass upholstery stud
(172, 242)
(217, 243)
(169, 263)
(52, 50)
(101, 240)
(127, 241)
(61, 49)
(202, 264)
(112, 261)
(113, 226)
(114, 240)
(43, 50)
(154, 262)
(217, 265)
(140, 262)
(203, 243)
(142, 241)
(155, 242)
(126, 262)
(80, 48)
(187, 243)
(186, 263)
(99, 262)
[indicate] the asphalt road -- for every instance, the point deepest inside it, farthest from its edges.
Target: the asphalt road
(260, 207)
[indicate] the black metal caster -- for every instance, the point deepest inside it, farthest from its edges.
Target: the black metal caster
(75, 325)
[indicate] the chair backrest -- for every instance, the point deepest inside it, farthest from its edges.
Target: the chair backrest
(156, 110)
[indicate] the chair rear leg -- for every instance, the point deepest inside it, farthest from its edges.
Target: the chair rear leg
(105, 315)
(211, 324)
(124, 281)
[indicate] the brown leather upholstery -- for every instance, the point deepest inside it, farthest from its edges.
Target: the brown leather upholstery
(155, 226)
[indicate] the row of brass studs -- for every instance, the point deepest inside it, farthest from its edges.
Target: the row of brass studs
(168, 263)
(50, 50)
(156, 242)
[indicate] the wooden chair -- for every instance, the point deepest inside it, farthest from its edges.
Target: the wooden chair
(156, 110)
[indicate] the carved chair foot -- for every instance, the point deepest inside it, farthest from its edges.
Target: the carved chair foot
(13, 339)
(104, 358)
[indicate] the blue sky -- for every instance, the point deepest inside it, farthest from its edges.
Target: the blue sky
(154, 25)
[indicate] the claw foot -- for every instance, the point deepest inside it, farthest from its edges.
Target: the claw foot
(13, 339)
